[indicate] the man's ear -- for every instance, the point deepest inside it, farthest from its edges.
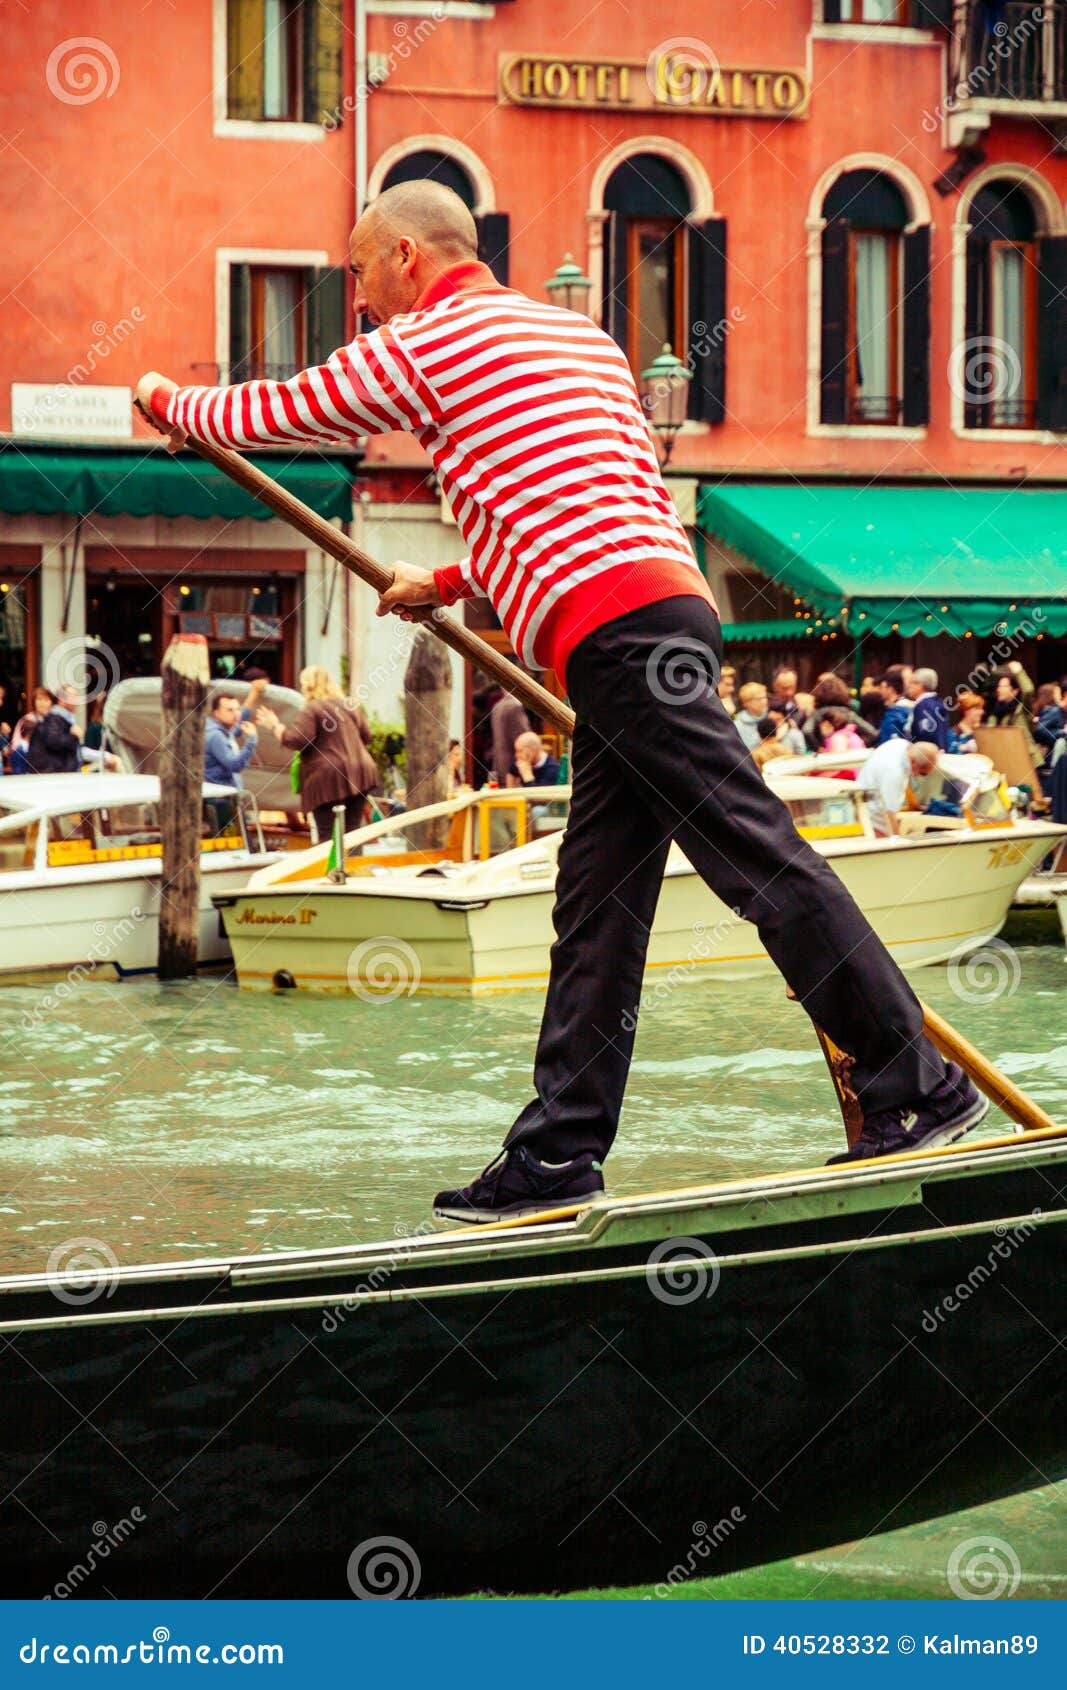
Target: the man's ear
(408, 253)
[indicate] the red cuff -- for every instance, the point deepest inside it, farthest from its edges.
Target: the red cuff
(451, 584)
(160, 402)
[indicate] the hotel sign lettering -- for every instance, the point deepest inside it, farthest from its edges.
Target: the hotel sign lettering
(676, 79)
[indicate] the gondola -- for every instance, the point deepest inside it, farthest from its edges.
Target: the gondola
(703, 1380)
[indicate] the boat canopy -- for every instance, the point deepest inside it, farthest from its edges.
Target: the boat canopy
(133, 721)
(28, 798)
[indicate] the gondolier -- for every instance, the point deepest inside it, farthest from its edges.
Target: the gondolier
(531, 419)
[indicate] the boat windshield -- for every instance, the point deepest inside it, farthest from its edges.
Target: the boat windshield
(125, 832)
(18, 847)
(827, 817)
(492, 823)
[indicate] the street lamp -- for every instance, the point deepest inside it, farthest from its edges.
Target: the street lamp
(665, 397)
(569, 287)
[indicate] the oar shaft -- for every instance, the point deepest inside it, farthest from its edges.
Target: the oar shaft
(987, 1077)
(321, 533)
(472, 649)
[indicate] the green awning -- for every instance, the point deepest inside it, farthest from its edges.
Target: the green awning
(155, 483)
(930, 560)
(795, 628)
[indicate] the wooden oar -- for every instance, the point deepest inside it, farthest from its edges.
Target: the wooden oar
(472, 649)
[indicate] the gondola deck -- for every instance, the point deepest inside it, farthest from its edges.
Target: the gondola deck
(791, 1347)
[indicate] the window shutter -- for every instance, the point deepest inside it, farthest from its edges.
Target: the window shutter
(323, 71)
(931, 14)
(974, 324)
(613, 316)
(707, 319)
(1052, 332)
(244, 47)
(493, 236)
(327, 312)
(240, 320)
(916, 406)
(834, 363)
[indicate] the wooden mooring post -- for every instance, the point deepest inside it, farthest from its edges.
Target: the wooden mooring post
(181, 773)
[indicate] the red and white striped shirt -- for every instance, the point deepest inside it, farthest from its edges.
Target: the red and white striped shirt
(532, 421)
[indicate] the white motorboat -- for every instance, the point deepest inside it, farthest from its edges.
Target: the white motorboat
(473, 915)
(80, 866)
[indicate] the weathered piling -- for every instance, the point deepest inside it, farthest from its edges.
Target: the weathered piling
(181, 773)
(427, 706)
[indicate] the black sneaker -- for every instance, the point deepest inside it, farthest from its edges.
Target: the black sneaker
(516, 1183)
(945, 1116)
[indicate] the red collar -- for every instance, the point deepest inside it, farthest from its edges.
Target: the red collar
(464, 277)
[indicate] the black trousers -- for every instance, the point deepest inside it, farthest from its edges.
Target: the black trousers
(656, 757)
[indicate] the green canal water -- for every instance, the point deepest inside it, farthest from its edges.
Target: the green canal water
(163, 1121)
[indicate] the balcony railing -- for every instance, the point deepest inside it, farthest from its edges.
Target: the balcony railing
(1013, 51)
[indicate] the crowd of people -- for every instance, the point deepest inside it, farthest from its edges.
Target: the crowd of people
(332, 762)
(48, 740)
(902, 705)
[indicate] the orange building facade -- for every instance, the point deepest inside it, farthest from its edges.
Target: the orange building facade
(844, 217)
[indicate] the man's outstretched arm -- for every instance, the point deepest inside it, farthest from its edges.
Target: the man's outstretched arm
(368, 387)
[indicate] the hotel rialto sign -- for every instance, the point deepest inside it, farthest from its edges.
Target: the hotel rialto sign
(678, 76)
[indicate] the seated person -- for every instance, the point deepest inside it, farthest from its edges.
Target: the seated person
(753, 701)
(771, 743)
(532, 766)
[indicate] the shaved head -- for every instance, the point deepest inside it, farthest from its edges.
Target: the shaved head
(403, 242)
(432, 213)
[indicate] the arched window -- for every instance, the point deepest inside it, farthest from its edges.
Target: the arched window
(441, 167)
(1013, 366)
(875, 305)
(665, 277)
